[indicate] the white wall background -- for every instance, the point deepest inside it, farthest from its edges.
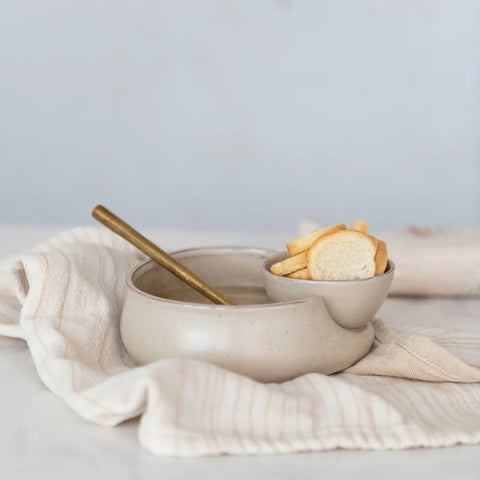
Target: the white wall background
(240, 114)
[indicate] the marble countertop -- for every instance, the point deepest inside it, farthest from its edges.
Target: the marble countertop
(41, 438)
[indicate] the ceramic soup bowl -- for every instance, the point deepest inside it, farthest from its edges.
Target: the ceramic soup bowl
(261, 338)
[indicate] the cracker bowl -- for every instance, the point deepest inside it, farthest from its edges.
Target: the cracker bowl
(260, 337)
(350, 303)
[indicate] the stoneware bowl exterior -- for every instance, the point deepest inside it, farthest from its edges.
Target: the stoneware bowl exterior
(270, 342)
(350, 303)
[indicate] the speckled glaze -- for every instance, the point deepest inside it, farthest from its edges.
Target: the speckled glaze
(350, 303)
(270, 342)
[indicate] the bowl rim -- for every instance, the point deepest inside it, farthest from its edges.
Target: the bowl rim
(206, 306)
(389, 271)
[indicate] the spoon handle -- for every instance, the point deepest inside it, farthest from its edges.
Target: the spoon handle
(117, 225)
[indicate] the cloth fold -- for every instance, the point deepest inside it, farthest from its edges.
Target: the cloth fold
(417, 387)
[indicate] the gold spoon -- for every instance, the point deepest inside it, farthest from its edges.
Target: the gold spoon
(117, 225)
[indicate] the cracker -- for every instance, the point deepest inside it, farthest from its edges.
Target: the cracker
(302, 274)
(343, 255)
(381, 258)
(290, 265)
(301, 244)
(360, 226)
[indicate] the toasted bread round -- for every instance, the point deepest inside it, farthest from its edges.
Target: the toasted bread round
(360, 226)
(381, 258)
(290, 265)
(343, 255)
(301, 244)
(302, 274)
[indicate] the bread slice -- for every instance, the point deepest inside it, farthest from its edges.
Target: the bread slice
(301, 244)
(290, 265)
(343, 255)
(360, 226)
(302, 274)
(381, 258)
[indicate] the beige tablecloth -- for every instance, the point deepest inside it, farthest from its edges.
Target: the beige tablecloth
(417, 387)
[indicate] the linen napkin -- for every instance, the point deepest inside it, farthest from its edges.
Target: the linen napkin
(442, 261)
(415, 388)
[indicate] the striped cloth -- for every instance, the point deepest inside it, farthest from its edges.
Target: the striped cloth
(415, 388)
